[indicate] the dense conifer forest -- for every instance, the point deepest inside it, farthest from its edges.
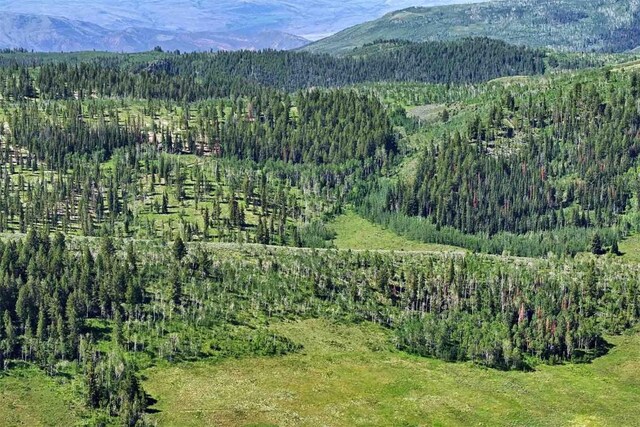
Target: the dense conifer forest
(163, 209)
(191, 77)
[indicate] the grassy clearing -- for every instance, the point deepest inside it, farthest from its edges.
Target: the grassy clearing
(427, 113)
(349, 375)
(630, 247)
(28, 397)
(355, 232)
(626, 66)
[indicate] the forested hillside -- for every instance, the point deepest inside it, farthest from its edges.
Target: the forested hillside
(560, 159)
(567, 25)
(160, 210)
(171, 76)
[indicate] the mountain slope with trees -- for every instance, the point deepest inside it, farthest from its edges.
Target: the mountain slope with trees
(571, 25)
(540, 165)
(165, 208)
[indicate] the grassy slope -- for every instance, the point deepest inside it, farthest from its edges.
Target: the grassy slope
(574, 25)
(28, 397)
(631, 248)
(355, 232)
(351, 376)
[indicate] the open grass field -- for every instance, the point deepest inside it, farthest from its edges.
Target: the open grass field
(348, 375)
(355, 232)
(28, 397)
(630, 248)
(427, 113)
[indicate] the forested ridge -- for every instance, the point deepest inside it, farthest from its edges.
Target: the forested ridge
(166, 208)
(198, 76)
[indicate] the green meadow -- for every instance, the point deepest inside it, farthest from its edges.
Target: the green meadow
(352, 376)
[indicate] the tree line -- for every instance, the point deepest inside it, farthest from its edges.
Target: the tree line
(198, 76)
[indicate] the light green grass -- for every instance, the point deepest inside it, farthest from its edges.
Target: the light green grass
(351, 376)
(428, 113)
(630, 247)
(355, 232)
(626, 66)
(28, 397)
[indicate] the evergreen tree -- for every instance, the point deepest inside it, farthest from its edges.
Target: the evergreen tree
(596, 245)
(9, 337)
(179, 249)
(614, 248)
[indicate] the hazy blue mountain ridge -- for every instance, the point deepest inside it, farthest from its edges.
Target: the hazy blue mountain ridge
(119, 25)
(47, 34)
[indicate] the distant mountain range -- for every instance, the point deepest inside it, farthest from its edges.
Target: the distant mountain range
(570, 25)
(135, 25)
(51, 34)
(197, 25)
